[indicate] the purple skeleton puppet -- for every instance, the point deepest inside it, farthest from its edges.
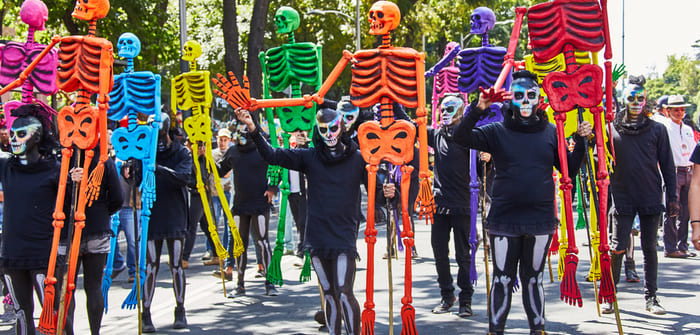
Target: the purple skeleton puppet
(15, 56)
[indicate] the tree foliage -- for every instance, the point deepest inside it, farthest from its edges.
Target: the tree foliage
(682, 76)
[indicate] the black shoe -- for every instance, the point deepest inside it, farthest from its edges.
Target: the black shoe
(320, 317)
(116, 272)
(631, 272)
(445, 305)
(180, 319)
(654, 307)
(271, 291)
(465, 311)
(146, 323)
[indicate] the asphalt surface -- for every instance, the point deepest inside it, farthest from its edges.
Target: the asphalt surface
(292, 312)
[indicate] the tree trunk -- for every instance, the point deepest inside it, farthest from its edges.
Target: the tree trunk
(232, 57)
(255, 45)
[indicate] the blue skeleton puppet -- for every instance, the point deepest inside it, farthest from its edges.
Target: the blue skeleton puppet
(136, 93)
(478, 68)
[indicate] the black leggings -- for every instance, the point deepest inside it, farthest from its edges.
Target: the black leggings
(93, 269)
(175, 248)
(20, 284)
(337, 277)
(259, 226)
(648, 229)
(530, 251)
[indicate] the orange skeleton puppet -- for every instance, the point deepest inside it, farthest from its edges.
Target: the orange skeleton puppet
(384, 75)
(191, 91)
(85, 67)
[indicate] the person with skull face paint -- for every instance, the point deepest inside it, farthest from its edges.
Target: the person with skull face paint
(30, 179)
(522, 219)
(334, 168)
(168, 223)
(642, 148)
(251, 203)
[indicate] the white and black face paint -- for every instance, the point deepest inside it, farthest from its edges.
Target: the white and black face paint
(526, 95)
(349, 111)
(330, 131)
(22, 137)
(241, 134)
(635, 98)
(451, 110)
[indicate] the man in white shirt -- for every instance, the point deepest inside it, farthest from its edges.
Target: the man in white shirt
(682, 144)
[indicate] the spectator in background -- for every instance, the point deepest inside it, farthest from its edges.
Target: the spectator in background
(5, 140)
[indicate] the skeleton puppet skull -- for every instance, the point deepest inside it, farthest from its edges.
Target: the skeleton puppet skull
(286, 20)
(526, 95)
(129, 45)
(482, 21)
(329, 124)
(349, 111)
(25, 135)
(384, 16)
(34, 13)
(451, 109)
(191, 51)
(89, 10)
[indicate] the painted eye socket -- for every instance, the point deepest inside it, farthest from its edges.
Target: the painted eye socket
(21, 133)
(350, 117)
(380, 15)
(519, 95)
(323, 130)
(531, 95)
(638, 98)
(334, 128)
(448, 109)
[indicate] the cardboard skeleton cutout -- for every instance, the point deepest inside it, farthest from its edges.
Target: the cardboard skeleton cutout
(134, 93)
(191, 91)
(446, 77)
(561, 26)
(389, 139)
(16, 56)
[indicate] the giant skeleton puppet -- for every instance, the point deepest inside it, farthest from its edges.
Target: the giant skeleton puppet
(288, 66)
(192, 91)
(85, 66)
(588, 217)
(556, 27)
(384, 75)
(16, 56)
(478, 67)
(137, 93)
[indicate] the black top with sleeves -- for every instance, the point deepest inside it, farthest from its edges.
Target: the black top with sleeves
(30, 198)
(639, 153)
(333, 192)
(249, 179)
(523, 188)
(170, 210)
(451, 171)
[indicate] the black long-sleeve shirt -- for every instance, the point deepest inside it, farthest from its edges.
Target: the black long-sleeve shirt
(333, 193)
(30, 198)
(523, 188)
(249, 179)
(170, 210)
(639, 154)
(451, 171)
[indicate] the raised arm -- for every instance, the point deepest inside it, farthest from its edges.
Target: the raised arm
(465, 134)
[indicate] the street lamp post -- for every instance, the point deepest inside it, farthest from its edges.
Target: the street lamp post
(347, 18)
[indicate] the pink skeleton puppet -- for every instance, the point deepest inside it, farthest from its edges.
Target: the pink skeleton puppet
(561, 26)
(16, 56)
(445, 78)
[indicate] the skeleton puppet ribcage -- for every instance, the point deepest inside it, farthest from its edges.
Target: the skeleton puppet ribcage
(379, 73)
(479, 67)
(192, 89)
(15, 58)
(289, 63)
(134, 92)
(446, 81)
(84, 61)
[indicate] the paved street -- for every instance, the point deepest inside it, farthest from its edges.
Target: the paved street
(210, 312)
